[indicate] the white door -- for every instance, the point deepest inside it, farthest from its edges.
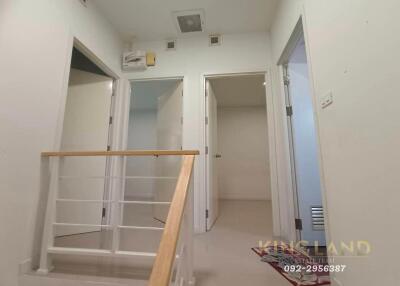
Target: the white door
(169, 137)
(86, 124)
(211, 158)
(307, 175)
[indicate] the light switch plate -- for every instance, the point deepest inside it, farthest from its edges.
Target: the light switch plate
(327, 100)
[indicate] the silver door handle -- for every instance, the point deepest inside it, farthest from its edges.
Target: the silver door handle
(218, 155)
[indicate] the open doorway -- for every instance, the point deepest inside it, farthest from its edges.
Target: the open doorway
(237, 182)
(303, 148)
(155, 123)
(83, 184)
(237, 168)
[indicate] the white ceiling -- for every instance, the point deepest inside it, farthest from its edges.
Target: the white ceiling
(152, 19)
(239, 91)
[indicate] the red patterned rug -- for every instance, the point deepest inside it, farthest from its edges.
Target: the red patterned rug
(297, 267)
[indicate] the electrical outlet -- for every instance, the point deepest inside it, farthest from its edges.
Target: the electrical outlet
(327, 100)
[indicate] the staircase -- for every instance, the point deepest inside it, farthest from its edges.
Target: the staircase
(101, 241)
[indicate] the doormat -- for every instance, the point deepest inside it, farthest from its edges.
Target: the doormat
(297, 267)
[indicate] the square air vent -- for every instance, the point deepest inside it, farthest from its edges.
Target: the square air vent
(215, 40)
(189, 21)
(171, 45)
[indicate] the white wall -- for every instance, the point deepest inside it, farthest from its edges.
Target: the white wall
(243, 171)
(30, 102)
(142, 129)
(353, 50)
(192, 59)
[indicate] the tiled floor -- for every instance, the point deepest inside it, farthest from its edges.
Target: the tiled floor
(223, 256)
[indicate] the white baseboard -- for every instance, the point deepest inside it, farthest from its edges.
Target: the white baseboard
(25, 266)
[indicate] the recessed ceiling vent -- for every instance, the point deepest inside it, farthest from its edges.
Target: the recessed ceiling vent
(171, 45)
(215, 40)
(189, 21)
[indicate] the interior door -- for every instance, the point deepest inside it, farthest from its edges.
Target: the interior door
(305, 152)
(169, 137)
(86, 125)
(211, 160)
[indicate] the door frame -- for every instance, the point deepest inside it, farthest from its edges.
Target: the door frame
(127, 104)
(205, 198)
(291, 212)
(71, 41)
(74, 42)
(128, 100)
(292, 160)
(127, 117)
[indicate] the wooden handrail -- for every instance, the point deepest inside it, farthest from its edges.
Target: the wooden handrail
(162, 268)
(120, 153)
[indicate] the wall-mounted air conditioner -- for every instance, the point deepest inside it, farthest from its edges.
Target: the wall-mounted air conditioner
(135, 60)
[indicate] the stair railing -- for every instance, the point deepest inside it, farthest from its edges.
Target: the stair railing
(174, 259)
(178, 228)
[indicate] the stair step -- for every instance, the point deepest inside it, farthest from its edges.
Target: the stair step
(62, 279)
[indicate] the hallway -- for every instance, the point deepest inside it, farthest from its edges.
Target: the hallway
(224, 257)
